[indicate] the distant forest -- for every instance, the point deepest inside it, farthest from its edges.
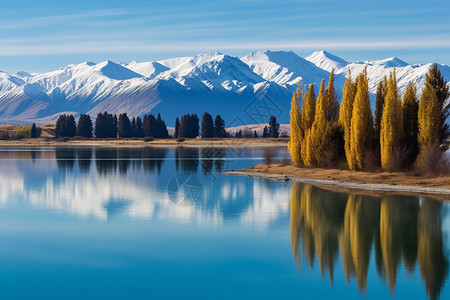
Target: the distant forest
(112, 126)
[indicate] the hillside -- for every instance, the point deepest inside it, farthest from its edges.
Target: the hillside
(243, 90)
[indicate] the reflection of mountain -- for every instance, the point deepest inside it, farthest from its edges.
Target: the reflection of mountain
(398, 228)
(102, 182)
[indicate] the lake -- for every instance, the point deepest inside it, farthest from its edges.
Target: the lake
(161, 223)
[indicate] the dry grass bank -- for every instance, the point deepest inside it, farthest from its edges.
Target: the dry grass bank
(381, 178)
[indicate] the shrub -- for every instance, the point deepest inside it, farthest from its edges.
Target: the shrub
(269, 155)
(25, 132)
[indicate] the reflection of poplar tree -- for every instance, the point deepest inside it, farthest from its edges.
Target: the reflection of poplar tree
(432, 261)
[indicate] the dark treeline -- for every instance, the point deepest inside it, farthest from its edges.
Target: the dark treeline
(111, 126)
(107, 125)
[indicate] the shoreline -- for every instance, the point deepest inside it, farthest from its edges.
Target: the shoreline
(320, 177)
(231, 142)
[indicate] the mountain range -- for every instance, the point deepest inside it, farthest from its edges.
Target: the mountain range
(243, 90)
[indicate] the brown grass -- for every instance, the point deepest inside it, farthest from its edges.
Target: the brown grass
(393, 178)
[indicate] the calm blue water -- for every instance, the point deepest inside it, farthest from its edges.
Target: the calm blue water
(160, 223)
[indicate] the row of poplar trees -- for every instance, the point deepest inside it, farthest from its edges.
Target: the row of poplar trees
(402, 132)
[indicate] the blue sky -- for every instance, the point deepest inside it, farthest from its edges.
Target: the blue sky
(44, 35)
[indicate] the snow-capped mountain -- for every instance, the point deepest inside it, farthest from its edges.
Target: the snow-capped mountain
(243, 91)
(326, 61)
(284, 68)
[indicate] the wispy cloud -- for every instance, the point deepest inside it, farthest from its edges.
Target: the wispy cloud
(127, 46)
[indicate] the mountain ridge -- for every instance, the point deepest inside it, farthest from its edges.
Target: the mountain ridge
(243, 90)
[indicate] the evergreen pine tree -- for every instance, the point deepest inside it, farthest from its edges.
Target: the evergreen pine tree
(391, 132)
(65, 126)
(124, 126)
(207, 126)
(133, 127)
(138, 129)
(113, 128)
(410, 125)
(273, 127)
(255, 134)
(84, 126)
(265, 132)
(177, 128)
(149, 126)
(189, 126)
(219, 127)
(361, 131)
(105, 126)
(295, 140)
(33, 133)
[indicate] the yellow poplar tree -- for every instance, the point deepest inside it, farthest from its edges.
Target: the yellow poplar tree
(345, 113)
(391, 131)
(308, 112)
(361, 124)
(429, 119)
(316, 134)
(295, 140)
(331, 105)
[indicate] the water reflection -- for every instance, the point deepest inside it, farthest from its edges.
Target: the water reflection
(141, 182)
(398, 229)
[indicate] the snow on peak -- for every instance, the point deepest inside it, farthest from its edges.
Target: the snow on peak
(326, 60)
(23, 74)
(284, 68)
(391, 62)
(147, 69)
(115, 71)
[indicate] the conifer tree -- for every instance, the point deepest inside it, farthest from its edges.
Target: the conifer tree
(410, 125)
(345, 113)
(207, 126)
(273, 129)
(105, 126)
(139, 130)
(295, 140)
(114, 127)
(65, 126)
(307, 119)
(255, 134)
(219, 127)
(84, 126)
(189, 126)
(361, 125)
(429, 120)
(149, 126)
(160, 128)
(177, 128)
(379, 105)
(124, 126)
(133, 127)
(391, 127)
(265, 132)
(435, 79)
(33, 133)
